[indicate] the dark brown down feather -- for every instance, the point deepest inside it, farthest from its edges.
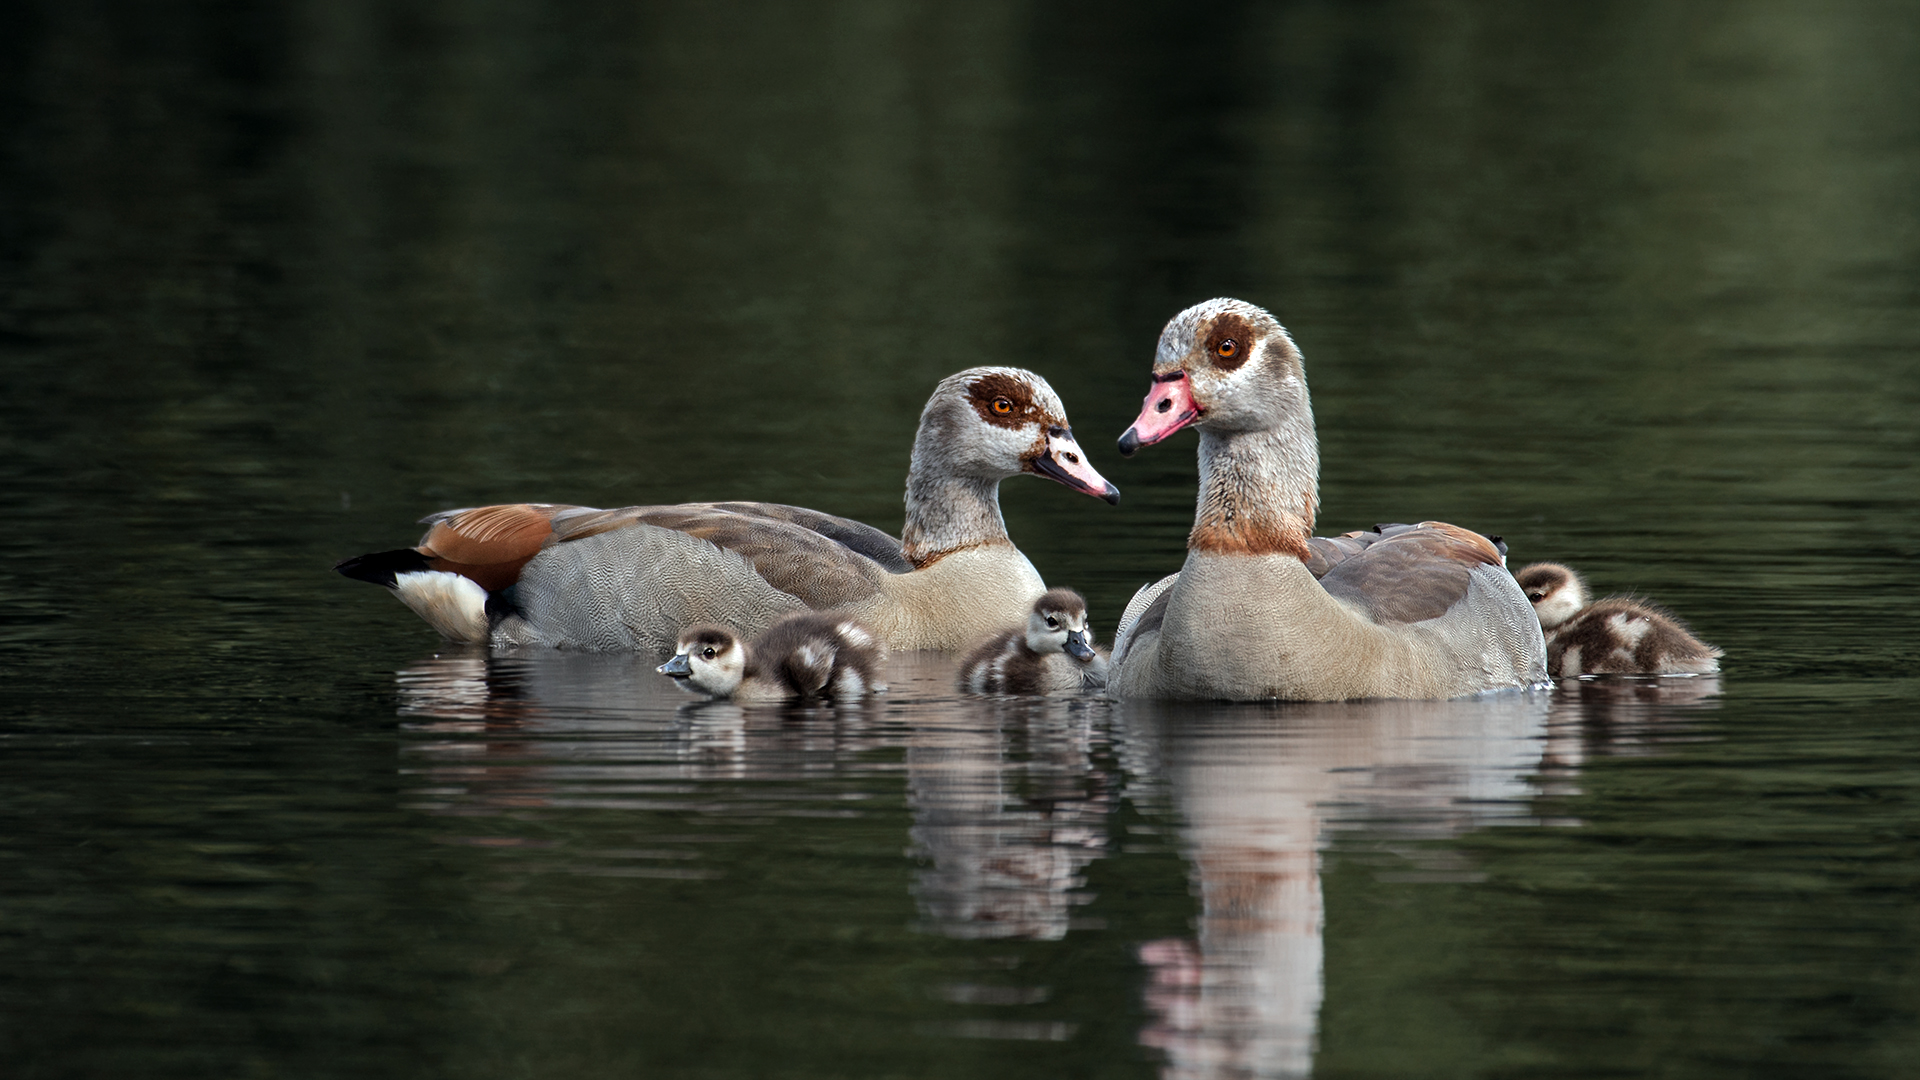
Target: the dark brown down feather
(1019, 678)
(776, 654)
(1664, 641)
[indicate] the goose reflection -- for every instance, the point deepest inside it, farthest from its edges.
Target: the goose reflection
(546, 727)
(1011, 799)
(1008, 810)
(1263, 790)
(1259, 789)
(1008, 806)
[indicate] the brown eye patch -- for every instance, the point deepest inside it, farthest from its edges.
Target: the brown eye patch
(1229, 341)
(1003, 401)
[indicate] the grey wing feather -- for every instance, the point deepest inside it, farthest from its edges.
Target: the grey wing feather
(1409, 573)
(635, 588)
(1144, 613)
(815, 569)
(857, 536)
(1328, 552)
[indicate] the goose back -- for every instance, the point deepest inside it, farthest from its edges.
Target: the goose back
(580, 577)
(1247, 628)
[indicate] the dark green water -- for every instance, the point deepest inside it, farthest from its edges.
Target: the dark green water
(1635, 285)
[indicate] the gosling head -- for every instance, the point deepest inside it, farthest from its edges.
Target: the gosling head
(1059, 624)
(708, 659)
(1555, 591)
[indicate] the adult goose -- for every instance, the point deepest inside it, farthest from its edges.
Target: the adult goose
(1261, 610)
(630, 579)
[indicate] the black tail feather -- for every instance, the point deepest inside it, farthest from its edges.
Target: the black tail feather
(381, 566)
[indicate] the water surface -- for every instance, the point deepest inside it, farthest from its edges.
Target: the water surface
(1634, 287)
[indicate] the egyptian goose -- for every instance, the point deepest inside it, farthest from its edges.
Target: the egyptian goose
(1616, 635)
(805, 657)
(577, 577)
(1052, 654)
(1412, 611)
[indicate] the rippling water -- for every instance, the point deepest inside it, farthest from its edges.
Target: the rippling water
(1635, 286)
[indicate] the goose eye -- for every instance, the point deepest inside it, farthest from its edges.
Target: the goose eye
(1227, 348)
(707, 652)
(1002, 406)
(1053, 623)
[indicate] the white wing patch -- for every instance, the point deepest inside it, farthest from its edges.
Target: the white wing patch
(454, 605)
(848, 684)
(1570, 662)
(1629, 629)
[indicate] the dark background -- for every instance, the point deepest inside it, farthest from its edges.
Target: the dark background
(1632, 284)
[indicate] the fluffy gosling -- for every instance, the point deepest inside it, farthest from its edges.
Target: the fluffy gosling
(806, 657)
(1615, 635)
(1052, 654)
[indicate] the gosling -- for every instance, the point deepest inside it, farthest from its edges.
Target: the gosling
(1053, 654)
(805, 657)
(1615, 635)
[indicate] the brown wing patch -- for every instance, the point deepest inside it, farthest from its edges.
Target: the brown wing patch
(1005, 401)
(1474, 547)
(1411, 573)
(818, 571)
(489, 544)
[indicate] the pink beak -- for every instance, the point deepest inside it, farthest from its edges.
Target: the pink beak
(1065, 463)
(1169, 407)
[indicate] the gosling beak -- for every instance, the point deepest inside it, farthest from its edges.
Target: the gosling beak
(1063, 461)
(1168, 408)
(676, 667)
(1078, 646)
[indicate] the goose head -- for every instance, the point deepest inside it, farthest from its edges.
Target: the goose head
(1059, 624)
(1224, 366)
(1229, 370)
(989, 423)
(709, 659)
(1555, 591)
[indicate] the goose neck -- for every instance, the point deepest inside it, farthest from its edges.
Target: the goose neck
(946, 513)
(1259, 491)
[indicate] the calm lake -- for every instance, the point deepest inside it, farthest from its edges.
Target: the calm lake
(1634, 285)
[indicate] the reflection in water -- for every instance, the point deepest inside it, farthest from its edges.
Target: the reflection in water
(1008, 808)
(587, 729)
(1259, 789)
(1263, 789)
(1010, 802)
(1008, 805)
